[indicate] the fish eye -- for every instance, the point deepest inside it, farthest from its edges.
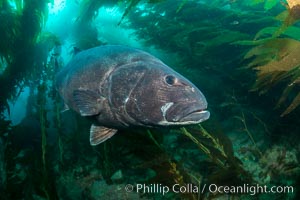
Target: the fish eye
(170, 80)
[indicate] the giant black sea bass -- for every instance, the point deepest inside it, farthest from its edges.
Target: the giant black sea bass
(122, 87)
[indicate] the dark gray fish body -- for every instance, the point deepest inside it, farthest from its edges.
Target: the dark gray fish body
(122, 86)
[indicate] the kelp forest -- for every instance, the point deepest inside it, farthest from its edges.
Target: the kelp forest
(244, 55)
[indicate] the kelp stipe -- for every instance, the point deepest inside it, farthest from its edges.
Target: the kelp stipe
(58, 124)
(41, 101)
(168, 171)
(5, 129)
(215, 142)
(225, 167)
(242, 118)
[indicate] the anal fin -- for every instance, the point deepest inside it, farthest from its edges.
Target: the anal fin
(99, 134)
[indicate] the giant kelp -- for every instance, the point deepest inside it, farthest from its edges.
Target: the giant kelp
(199, 33)
(276, 60)
(25, 53)
(18, 42)
(85, 33)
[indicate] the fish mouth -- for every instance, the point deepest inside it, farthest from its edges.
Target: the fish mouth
(196, 116)
(186, 116)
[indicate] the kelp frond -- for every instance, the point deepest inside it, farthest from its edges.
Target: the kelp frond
(293, 3)
(276, 54)
(131, 5)
(277, 61)
(268, 4)
(293, 105)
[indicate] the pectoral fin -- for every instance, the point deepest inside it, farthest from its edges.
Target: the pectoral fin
(65, 109)
(99, 134)
(88, 102)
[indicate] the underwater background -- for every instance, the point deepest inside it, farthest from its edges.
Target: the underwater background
(244, 55)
